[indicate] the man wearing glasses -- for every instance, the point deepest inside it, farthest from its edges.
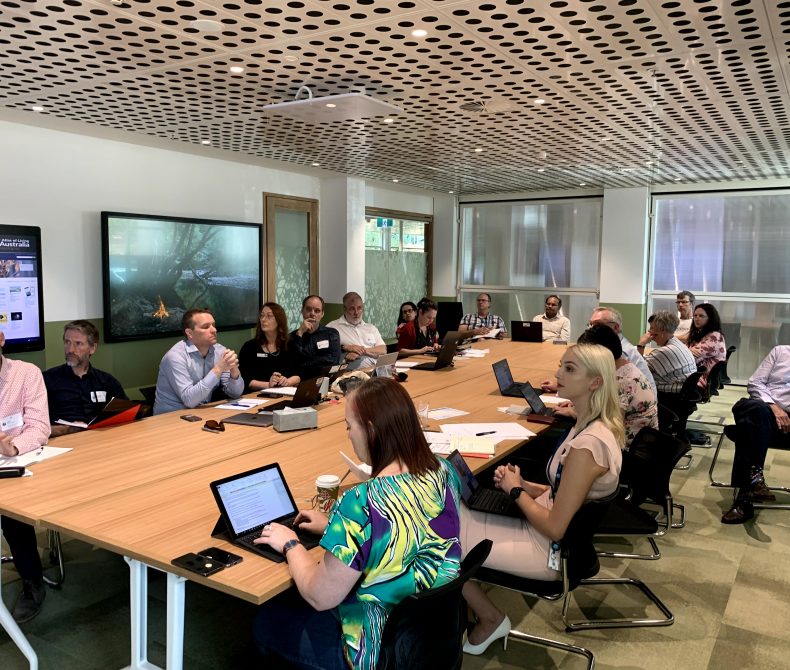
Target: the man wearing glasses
(483, 322)
(555, 326)
(607, 316)
(685, 303)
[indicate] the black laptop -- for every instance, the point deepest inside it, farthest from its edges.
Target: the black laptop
(492, 501)
(539, 412)
(307, 393)
(526, 331)
(250, 500)
(504, 379)
(446, 353)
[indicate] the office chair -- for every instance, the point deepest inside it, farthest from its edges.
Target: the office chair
(672, 416)
(578, 561)
(425, 630)
(725, 377)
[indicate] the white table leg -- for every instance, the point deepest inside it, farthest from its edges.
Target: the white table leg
(176, 597)
(138, 606)
(14, 632)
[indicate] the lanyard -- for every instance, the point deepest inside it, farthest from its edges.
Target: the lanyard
(555, 486)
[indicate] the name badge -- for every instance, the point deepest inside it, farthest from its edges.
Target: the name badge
(98, 396)
(11, 422)
(323, 344)
(262, 354)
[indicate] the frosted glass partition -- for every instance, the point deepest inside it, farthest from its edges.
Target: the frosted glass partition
(729, 249)
(523, 305)
(532, 244)
(292, 262)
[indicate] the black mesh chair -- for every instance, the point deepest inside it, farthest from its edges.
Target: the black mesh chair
(425, 631)
(725, 377)
(578, 561)
(675, 408)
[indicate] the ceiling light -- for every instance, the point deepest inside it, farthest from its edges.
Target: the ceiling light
(541, 169)
(478, 150)
(236, 69)
(648, 162)
(344, 107)
(389, 119)
(582, 183)
(290, 59)
(206, 25)
(539, 101)
(316, 164)
(205, 141)
(331, 105)
(450, 192)
(37, 108)
(396, 180)
(419, 32)
(678, 178)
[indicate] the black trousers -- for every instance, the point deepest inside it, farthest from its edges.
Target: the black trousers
(756, 431)
(21, 539)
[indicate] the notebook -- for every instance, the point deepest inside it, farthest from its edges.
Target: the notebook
(492, 501)
(526, 331)
(250, 500)
(504, 379)
(446, 353)
(540, 413)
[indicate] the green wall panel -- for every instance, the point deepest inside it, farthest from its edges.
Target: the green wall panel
(634, 317)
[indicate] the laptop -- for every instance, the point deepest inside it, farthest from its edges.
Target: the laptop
(307, 393)
(446, 353)
(116, 412)
(526, 331)
(250, 500)
(384, 363)
(492, 501)
(504, 379)
(540, 413)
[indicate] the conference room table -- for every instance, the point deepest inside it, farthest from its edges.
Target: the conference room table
(142, 489)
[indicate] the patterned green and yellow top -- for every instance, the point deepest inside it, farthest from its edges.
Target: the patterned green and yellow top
(400, 532)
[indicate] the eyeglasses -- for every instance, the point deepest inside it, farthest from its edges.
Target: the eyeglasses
(407, 310)
(682, 302)
(214, 426)
(590, 324)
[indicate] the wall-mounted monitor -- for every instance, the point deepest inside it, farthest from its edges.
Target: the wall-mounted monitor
(21, 299)
(157, 267)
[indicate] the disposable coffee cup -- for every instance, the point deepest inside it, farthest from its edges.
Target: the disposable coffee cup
(327, 489)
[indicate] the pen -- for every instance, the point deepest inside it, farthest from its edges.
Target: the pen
(488, 432)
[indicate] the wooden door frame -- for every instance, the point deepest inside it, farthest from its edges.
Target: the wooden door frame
(272, 201)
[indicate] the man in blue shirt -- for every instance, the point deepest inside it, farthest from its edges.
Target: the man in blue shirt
(194, 367)
(76, 390)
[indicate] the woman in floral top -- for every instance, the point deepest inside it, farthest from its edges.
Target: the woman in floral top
(637, 398)
(705, 339)
(387, 538)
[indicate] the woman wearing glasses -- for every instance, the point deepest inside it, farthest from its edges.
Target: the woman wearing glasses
(705, 340)
(419, 335)
(265, 360)
(387, 538)
(406, 314)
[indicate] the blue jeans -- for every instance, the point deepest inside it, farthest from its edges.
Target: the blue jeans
(288, 629)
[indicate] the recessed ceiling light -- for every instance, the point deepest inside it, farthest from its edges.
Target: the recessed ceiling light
(451, 192)
(396, 180)
(539, 101)
(205, 141)
(678, 178)
(389, 119)
(331, 105)
(206, 25)
(290, 59)
(582, 183)
(419, 32)
(648, 162)
(37, 108)
(541, 169)
(236, 69)
(316, 164)
(478, 150)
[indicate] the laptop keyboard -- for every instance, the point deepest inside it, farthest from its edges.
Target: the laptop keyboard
(490, 499)
(308, 539)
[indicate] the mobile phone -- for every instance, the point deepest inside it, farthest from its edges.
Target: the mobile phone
(190, 417)
(226, 558)
(198, 564)
(12, 471)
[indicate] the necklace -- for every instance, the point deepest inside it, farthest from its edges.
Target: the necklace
(266, 349)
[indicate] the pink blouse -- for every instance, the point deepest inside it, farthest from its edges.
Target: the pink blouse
(707, 352)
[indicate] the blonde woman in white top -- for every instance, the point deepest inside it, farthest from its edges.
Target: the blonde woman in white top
(585, 467)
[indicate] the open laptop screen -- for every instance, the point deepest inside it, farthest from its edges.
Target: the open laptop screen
(469, 483)
(532, 398)
(503, 375)
(252, 499)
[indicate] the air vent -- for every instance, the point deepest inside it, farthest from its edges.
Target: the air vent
(493, 106)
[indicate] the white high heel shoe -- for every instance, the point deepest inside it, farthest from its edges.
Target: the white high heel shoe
(501, 631)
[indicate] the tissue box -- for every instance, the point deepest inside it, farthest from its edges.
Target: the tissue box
(294, 419)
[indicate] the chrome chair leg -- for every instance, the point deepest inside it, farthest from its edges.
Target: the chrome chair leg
(56, 558)
(555, 644)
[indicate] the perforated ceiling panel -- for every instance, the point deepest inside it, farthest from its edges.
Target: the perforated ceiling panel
(634, 91)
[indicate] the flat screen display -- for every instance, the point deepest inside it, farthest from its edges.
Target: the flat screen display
(155, 268)
(21, 301)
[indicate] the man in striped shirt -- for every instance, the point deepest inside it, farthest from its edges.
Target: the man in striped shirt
(671, 361)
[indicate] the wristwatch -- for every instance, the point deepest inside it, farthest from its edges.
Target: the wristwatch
(289, 545)
(515, 492)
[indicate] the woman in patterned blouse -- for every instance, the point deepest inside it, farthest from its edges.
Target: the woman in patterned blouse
(705, 339)
(386, 538)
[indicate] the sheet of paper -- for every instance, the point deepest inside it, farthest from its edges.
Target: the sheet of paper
(445, 413)
(280, 390)
(474, 353)
(76, 424)
(552, 400)
(515, 409)
(361, 471)
(496, 431)
(36, 456)
(406, 364)
(491, 333)
(242, 403)
(476, 446)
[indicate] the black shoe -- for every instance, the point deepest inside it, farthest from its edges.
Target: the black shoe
(761, 493)
(29, 602)
(740, 512)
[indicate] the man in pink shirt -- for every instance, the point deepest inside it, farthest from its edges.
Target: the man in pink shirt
(24, 426)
